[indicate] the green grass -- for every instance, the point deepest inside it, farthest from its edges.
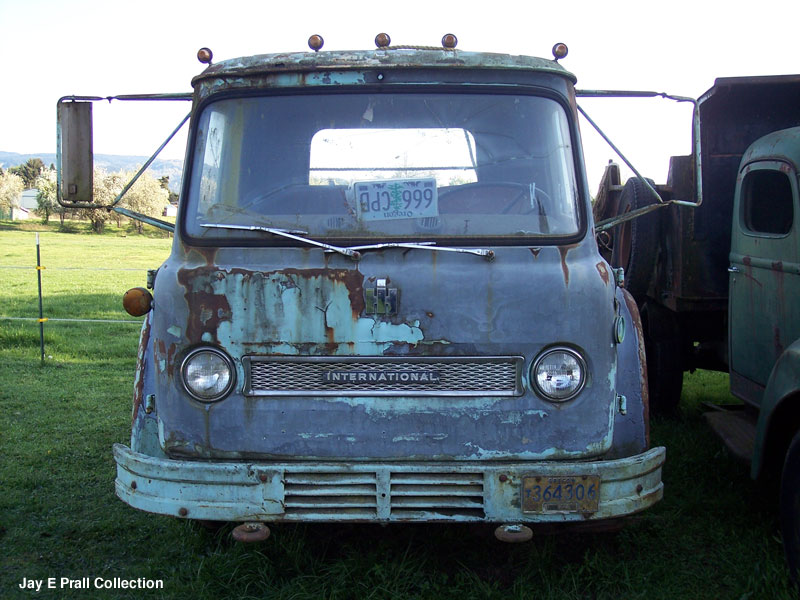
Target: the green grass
(715, 534)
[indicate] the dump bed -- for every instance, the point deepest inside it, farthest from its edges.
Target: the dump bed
(736, 111)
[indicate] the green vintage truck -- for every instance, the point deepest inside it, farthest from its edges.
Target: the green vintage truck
(719, 288)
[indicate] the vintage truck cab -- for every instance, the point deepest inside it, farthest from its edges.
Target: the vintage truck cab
(764, 320)
(385, 303)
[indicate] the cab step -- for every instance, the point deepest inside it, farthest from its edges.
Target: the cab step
(735, 425)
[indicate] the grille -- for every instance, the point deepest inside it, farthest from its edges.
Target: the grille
(428, 495)
(348, 495)
(384, 376)
(367, 495)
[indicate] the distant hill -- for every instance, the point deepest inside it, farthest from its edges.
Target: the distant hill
(173, 168)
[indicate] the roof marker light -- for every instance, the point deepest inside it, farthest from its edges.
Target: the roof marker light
(382, 40)
(204, 55)
(315, 42)
(560, 50)
(449, 41)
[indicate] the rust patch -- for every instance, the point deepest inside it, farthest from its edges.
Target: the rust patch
(637, 325)
(207, 310)
(352, 279)
(171, 359)
(330, 334)
(777, 341)
(429, 314)
(603, 270)
(563, 250)
(138, 388)
(160, 353)
(777, 268)
(209, 255)
(748, 270)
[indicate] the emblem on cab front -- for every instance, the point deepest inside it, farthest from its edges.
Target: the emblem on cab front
(381, 299)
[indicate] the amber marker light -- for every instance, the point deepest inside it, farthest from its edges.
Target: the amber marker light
(449, 41)
(560, 50)
(137, 302)
(204, 55)
(382, 40)
(315, 42)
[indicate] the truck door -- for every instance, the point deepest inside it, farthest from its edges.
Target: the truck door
(764, 317)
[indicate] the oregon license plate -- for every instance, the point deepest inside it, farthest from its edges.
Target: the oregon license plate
(396, 199)
(572, 493)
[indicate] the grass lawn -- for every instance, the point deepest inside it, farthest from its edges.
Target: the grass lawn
(715, 534)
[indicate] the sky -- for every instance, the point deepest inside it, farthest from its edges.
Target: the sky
(86, 47)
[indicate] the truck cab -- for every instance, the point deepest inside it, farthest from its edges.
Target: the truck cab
(385, 303)
(764, 316)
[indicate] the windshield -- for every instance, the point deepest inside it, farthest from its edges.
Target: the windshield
(388, 166)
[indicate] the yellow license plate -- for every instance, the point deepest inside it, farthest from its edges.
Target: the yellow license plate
(572, 493)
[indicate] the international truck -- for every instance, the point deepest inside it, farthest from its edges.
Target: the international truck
(384, 301)
(718, 284)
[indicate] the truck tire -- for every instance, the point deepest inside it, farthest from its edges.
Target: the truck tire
(635, 242)
(663, 348)
(790, 507)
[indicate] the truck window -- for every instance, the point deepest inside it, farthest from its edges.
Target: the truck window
(378, 166)
(767, 202)
(346, 156)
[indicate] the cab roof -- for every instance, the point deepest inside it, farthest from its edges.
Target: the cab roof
(386, 58)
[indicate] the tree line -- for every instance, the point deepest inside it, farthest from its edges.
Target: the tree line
(149, 196)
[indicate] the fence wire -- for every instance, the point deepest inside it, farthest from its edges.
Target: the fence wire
(71, 268)
(53, 319)
(61, 320)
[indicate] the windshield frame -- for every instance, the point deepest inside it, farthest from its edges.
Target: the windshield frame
(518, 89)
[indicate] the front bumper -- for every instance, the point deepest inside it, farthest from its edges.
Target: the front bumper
(378, 492)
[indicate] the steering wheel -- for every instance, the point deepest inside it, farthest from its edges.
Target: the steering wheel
(523, 191)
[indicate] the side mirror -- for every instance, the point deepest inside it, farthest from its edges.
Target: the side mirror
(75, 153)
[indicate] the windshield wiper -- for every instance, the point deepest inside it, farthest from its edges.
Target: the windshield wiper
(351, 251)
(487, 254)
(292, 234)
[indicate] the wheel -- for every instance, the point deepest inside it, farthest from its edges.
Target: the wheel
(636, 241)
(790, 507)
(663, 348)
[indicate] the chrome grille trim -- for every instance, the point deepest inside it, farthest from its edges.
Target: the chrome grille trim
(462, 376)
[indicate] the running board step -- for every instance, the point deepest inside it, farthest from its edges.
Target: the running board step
(736, 427)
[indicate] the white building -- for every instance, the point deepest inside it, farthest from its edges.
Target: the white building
(26, 207)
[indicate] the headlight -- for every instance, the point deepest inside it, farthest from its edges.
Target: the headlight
(559, 374)
(207, 374)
